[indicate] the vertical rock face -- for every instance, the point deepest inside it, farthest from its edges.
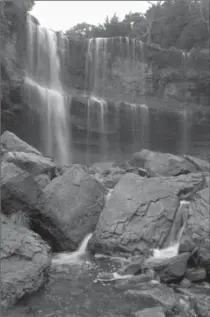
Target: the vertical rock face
(13, 16)
(25, 261)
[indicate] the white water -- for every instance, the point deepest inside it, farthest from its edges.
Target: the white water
(144, 125)
(42, 82)
(97, 116)
(113, 277)
(186, 120)
(108, 196)
(76, 257)
(135, 123)
(173, 249)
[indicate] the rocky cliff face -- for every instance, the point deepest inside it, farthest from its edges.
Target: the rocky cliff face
(13, 23)
(120, 70)
(130, 69)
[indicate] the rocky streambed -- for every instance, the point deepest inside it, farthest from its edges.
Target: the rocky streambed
(152, 211)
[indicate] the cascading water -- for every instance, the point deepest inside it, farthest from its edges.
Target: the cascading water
(98, 55)
(72, 257)
(97, 121)
(42, 83)
(144, 125)
(176, 235)
(185, 120)
(96, 72)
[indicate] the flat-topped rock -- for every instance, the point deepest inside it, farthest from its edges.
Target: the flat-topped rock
(162, 164)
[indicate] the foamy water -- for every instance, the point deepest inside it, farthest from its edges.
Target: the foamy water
(77, 257)
(166, 253)
(108, 196)
(173, 249)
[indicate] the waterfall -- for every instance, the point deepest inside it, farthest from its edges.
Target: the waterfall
(99, 52)
(42, 83)
(96, 72)
(96, 81)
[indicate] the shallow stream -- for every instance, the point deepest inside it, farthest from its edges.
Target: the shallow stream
(74, 291)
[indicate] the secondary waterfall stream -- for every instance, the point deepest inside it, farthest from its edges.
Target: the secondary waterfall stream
(44, 91)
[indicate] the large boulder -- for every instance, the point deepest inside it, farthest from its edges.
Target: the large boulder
(73, 202)
(155, 293)
(162, 164)
(171, 269)
(106, 173)
(197, 274)
(109, 173)
(19, 190)
(12, 143)
(31, 162)
(62, 212)
(201, 165)
(142, 212)
(151, 312)
(197, 230)
(25, 261)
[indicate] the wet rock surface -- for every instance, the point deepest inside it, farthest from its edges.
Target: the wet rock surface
(30, 162)
(140, 213)
(163, 164)
(25, 262)
(130, 213)
(197, 228)
(18, 189)
(171, 269)
(150, 312)
(73, 203)
(159, 293)
(199, 163)
(196, 274)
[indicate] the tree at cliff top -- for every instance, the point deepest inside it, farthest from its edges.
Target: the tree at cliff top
(183, 24)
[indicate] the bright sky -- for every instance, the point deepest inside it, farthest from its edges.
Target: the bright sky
(61, 15)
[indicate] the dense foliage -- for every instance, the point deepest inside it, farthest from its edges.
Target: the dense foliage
(183, 24)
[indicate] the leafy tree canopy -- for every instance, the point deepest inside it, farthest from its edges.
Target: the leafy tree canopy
(183, 24)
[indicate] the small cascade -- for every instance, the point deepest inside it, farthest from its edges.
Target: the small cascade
(185, 122)
(76, 257)
(144, 125)
(185, 57)
(134, 114)
(127, 47)
(104, 129)
(117, 127)
(88, 65)
(97, 56)
(97, 122)
(176, 234)
(42, 84)
(133, 67)
(141, 45)
(88, 130)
